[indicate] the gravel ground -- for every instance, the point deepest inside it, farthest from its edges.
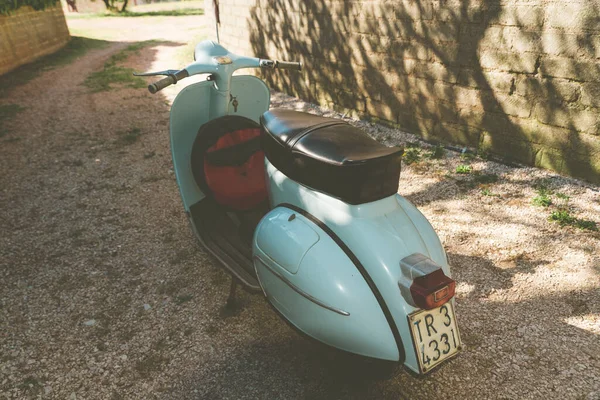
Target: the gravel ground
(106, 295)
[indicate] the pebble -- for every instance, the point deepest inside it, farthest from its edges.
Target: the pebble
(90, 322)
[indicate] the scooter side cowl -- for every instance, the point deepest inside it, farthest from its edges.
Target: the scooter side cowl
(317, 288)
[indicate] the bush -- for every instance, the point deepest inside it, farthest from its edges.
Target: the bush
(6, 7)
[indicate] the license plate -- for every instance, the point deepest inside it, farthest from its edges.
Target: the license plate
(435, 335)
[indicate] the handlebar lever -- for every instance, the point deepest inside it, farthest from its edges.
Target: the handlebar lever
(158, 73)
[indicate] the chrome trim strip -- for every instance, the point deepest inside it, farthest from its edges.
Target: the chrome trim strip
(300, 291)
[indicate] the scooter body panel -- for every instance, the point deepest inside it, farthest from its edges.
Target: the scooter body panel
(199, 103)
(317, 288)
(379, 233)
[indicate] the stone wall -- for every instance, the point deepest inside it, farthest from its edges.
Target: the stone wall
(518, 78)
(27, 34)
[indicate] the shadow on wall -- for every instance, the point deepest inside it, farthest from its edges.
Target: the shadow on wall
(500, 77)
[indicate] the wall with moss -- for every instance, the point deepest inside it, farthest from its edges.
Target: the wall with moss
(518, 78)
(27, 34)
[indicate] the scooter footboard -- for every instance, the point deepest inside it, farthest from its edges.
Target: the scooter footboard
(313, 283)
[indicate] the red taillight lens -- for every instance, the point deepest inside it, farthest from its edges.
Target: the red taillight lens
(432, 290)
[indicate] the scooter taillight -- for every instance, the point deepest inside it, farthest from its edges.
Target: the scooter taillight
(432, 290)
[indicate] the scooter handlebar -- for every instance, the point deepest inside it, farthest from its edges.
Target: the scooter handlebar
(168, 81)
(288, 65)
(281, 64)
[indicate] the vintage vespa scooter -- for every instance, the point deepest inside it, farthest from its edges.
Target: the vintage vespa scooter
(305, 208)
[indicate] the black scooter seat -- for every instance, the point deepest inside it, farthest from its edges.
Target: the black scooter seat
(330, 155)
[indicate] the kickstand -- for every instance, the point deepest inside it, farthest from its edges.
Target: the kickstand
(231, 301)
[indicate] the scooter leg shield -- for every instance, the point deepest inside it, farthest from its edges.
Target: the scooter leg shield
(313, 283)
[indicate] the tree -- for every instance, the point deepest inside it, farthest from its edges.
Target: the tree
(72, 6)
(111, 6)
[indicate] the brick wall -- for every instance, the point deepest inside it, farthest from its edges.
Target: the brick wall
(27, 35)
(518, 78)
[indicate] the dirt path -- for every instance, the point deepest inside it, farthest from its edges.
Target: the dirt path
(105, 294)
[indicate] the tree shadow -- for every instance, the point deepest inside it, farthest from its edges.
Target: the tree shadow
(476, 73)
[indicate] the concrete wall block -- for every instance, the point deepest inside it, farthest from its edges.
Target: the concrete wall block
(434, 71)
(498, 81)
(557, 42)
(458, 133)
(553, 90)
(381, 110)
(590, 94)
(571, 117)
(412, 9)
(572, 15)
(509, 62)
(569, 68)
(517, 15)
(409, 50)
(514, 105)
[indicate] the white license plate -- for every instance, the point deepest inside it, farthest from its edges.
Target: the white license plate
(435, 335)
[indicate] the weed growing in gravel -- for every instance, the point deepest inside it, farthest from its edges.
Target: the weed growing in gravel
(487, 192)
(563, 197)
(130, 137)
(464, 169)
(183, 299)
(437, 153)
(112, 73)
(8, 112)
(468, 157)
(563, 217)
(483, 154)
(585, 224)
(543, 198)
(150, 364)
(31, 385)
(412, 155)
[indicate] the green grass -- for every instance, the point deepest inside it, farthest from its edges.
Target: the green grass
(179, 300)
(564, 218)
(437, 153)
(542, 200)
(544, 192)
(8, 112)
(183, 12)
(76, 48)
(112, 73)
(129, 137)
(412, 155)
(468, 157)
(464, 169)
(487, 192)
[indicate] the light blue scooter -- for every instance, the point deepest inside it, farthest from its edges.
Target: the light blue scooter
(305, 209)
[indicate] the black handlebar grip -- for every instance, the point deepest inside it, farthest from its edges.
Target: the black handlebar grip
(160, 85)
(169, 80)
(288, 65)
